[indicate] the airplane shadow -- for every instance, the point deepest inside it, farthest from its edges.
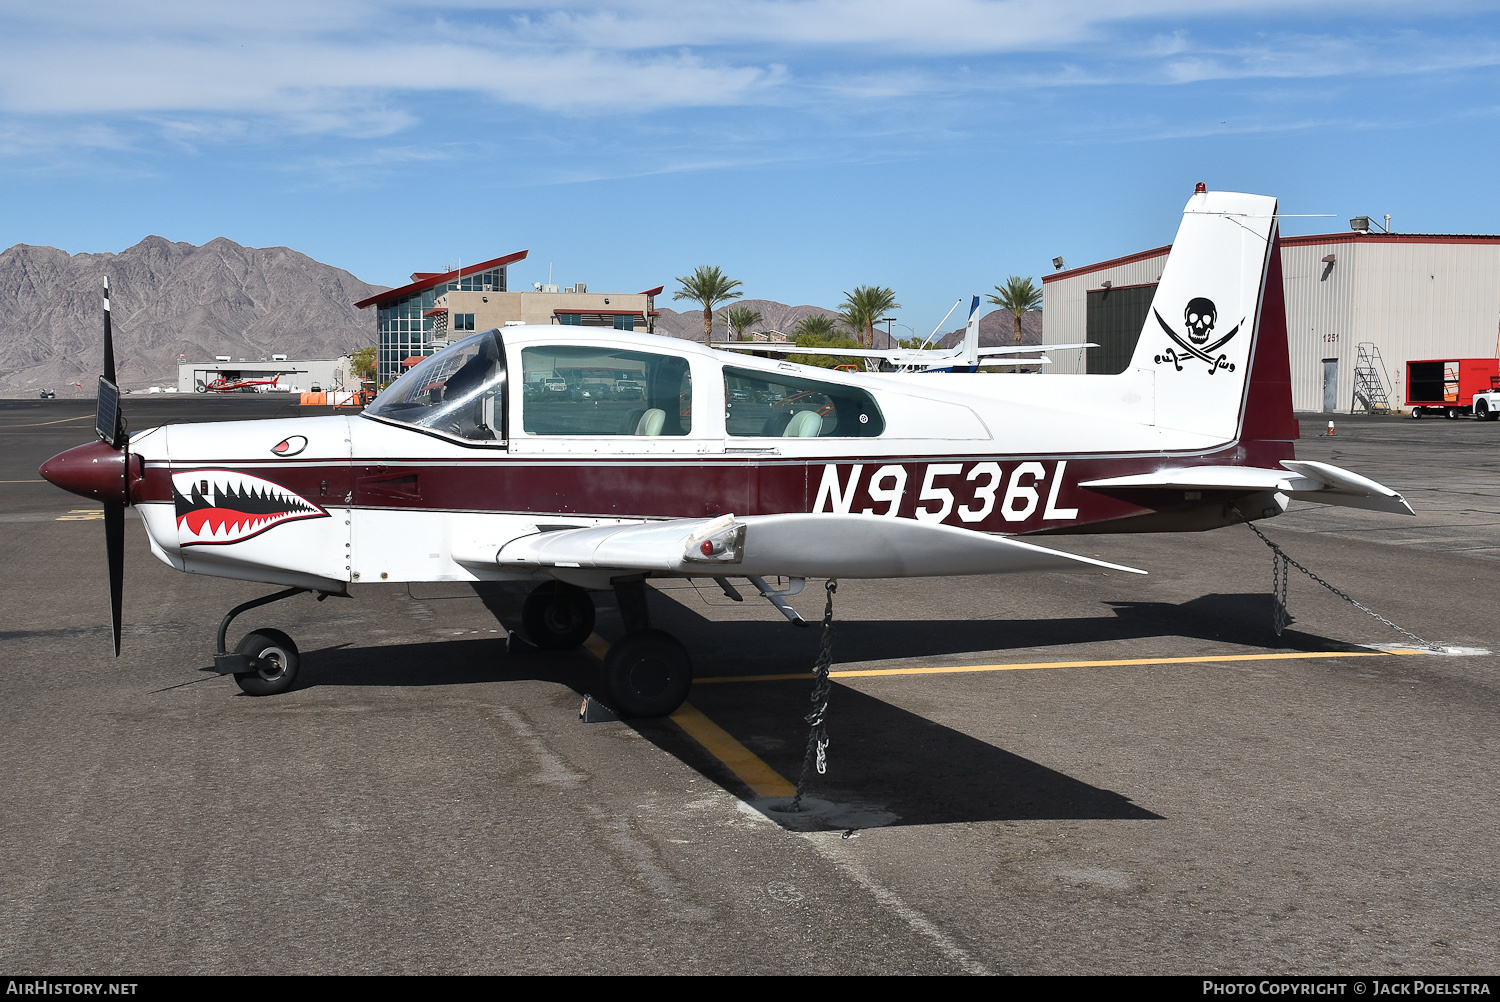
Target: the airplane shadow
(889, 762)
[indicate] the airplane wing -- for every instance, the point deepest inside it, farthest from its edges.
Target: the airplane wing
(902, 356)
(826, 545)
(1303, 480)
(1019, 348)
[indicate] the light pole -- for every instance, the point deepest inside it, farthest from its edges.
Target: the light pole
(889, 321)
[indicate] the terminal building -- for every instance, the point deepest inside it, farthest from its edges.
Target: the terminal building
(417, 319)
(1359, 305)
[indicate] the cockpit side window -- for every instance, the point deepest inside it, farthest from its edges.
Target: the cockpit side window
(578, 390)
(460, 391)
(763, 404)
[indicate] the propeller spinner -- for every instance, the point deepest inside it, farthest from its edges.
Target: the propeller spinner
(98, 470)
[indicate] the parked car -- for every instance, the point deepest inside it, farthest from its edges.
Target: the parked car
(49, 394)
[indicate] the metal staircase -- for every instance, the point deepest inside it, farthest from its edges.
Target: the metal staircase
(1370, 380)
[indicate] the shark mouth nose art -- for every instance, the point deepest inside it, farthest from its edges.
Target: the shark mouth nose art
(215, 507)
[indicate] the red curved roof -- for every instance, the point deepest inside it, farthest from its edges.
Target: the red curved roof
(430, 279)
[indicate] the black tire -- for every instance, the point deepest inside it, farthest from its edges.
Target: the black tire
(647, 674)
(1416, 412)
(1451, 413)
(273, 646)
(1482, 411)
(557, 616)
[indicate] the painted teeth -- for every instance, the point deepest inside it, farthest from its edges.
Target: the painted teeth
(224, 506)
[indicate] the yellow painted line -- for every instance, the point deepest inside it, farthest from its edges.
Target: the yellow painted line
(82, 515)
(20, 481)
(43, 424)
(744, 763)
(1125, 662)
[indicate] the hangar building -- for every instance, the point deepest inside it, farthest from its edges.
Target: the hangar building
(229, 375)
(417, 319)
(1359, 305)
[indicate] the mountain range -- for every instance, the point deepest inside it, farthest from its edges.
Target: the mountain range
(221, 298)
(168, 299)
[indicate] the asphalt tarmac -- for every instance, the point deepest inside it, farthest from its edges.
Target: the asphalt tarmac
(1150, 781)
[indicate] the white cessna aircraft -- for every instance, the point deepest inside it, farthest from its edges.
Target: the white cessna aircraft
(589, 461)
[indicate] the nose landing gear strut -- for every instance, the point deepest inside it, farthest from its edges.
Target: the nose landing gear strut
(265, 662)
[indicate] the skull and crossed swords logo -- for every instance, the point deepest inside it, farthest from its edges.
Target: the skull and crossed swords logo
(1200, 315)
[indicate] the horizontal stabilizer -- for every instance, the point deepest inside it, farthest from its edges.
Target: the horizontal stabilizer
(1305, 481)
(801, 545)
(1348, 489)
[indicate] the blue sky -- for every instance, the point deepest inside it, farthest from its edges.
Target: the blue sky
(806, 146)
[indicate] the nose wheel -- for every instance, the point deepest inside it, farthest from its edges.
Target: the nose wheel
(265, 662)
(273, 660)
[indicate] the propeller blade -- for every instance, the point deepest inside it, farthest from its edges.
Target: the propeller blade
(109, 338)
(114, 546)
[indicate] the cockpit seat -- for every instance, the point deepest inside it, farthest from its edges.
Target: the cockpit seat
(805, 424)
(651, 422)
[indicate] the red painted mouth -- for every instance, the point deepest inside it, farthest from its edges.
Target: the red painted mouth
(218, 507)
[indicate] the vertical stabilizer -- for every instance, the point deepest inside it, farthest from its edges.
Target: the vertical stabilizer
(971, 335)
(1211, 308)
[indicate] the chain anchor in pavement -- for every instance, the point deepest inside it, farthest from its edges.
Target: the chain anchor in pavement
(1281, 564)
(816, 754)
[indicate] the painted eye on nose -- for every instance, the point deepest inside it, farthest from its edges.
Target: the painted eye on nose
(289, 446)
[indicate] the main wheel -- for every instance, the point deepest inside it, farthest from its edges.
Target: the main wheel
(647, 674)
(275, 647)
(557, 616)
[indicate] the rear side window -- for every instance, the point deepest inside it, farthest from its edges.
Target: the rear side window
(762, 404)
(575, 390)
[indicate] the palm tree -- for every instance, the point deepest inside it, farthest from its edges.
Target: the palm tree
(815, 325)
(819, 331)
(708, 287)
(863, 307)
(1017, 295)
(740, 319)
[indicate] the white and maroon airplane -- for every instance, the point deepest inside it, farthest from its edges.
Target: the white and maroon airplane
(592, 460)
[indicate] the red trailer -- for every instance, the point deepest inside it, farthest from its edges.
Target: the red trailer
(1447, 385)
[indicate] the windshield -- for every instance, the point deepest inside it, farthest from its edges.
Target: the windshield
(460, 391)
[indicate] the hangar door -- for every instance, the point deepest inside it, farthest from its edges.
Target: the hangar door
(1115, 319)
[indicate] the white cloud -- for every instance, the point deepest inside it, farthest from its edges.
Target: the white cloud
(360, 69)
